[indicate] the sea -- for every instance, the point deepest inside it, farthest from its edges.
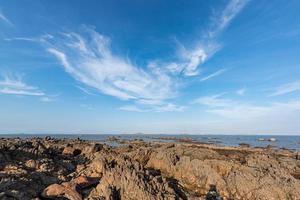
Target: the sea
(276, 141)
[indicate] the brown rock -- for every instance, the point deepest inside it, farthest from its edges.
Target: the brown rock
(84, 182)
(93, 148)
(128, 180)
(31, 164)
(69, 189)
(145, 170)
(71, 151)
(259, 177)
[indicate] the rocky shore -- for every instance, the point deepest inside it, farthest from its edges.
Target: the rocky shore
(49, 168)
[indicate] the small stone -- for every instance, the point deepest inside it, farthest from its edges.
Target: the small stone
(31, 164)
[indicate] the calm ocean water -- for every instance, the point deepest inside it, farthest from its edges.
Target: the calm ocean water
(288, 142)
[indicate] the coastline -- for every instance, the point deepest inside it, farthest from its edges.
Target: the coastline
(77, 169)
(291, 142)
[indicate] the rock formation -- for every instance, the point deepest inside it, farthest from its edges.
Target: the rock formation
(48, 168)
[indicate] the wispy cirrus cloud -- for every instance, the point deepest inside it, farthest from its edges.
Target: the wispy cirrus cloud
(158, 106)
(274, 110)
(221, 20)
(152, 105)
(228, 108)
(208, 45)
(90, 61)
(132, 108)
(40, 39)
(85, 90)
(286, 88)
(49, 98)
(215, 101)
(88, 57)
(190, 59)
(233, 109)
(14, 85)
(164, 107)
(21, 39)
(217, 73)
(5, 19)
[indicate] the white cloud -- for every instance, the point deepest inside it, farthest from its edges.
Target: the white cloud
(287, 88)
(217, 73)
(153, 105)
(229, 108)
(221, 21)
(241, 91)
(232, 109)
(149, 102)
(169, 107)
(89, 58)
(195, 57)
(132, 108)
(215, 101)
(20, 92)
(13, 84)
(91, 61)
(85, 90)
(41, 39)
(5, 19)
(48, 98)
(240, 111)
(275, 111)
(191, 59)
(21, 39)
(163, 107)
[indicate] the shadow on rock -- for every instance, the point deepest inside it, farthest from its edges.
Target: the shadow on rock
(213, 194)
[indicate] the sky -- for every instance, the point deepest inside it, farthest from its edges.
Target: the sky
(155, 66)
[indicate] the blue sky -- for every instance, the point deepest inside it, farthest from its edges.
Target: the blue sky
(108, 66)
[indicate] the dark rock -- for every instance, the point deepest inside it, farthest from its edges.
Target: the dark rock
(213, 194)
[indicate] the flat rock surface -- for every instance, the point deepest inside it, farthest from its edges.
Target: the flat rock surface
(49, 168)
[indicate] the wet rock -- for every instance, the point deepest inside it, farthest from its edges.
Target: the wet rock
(244, 145)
